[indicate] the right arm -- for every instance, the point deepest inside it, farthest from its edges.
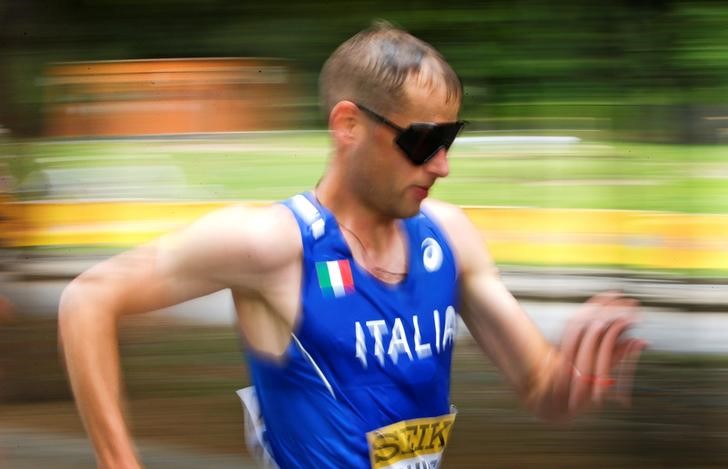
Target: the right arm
(236, 246)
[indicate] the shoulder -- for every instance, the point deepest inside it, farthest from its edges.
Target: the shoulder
(267, 223)
(445, 213)
(453, 220)
(264, 236)
(466, 240)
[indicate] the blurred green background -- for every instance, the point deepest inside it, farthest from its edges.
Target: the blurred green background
(272, 166)
(636, 70)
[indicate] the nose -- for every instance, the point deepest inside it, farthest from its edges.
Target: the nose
(438, 164)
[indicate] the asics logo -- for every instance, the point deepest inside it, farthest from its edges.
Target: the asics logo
(431, 255)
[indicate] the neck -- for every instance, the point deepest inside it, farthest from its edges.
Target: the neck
(376, 241)
(374, 229)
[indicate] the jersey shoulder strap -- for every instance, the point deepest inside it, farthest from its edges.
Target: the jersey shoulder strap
(309, 217)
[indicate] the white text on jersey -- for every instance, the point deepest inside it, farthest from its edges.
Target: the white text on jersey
(397, 341)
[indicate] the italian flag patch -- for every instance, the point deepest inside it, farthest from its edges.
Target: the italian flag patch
(335, 278)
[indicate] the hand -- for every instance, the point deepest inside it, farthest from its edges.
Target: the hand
(597, 360)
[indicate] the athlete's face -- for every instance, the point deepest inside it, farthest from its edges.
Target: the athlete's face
(387, 180)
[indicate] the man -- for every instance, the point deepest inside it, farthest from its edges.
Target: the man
(347, 296)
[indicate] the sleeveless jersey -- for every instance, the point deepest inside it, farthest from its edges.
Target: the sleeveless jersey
(365, 381)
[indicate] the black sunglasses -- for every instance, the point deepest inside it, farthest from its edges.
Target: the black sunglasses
(420, 141)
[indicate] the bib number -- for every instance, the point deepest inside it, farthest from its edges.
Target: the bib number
(410, 444)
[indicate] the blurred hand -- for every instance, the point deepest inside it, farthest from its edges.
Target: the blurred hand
(597, 359)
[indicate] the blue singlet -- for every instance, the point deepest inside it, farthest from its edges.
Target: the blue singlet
(366, 378)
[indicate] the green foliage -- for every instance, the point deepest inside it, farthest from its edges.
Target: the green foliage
(514, 56)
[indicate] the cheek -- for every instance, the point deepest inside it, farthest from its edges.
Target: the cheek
(381, 169)
(392, 171)
(364, 174)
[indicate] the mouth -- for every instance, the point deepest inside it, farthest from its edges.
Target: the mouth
(421, 191)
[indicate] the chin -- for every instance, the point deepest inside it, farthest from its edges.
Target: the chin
(409, 210)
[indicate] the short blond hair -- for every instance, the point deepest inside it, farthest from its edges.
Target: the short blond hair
(372, 67)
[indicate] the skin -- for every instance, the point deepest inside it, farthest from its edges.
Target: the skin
(257, 254)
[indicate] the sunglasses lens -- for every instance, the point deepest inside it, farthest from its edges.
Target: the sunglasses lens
(422, 141)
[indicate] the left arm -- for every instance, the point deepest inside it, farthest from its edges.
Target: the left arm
(554, 382)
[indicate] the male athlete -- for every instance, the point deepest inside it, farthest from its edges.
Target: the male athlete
(347, 296)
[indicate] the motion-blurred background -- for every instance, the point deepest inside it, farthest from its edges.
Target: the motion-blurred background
(596, 157)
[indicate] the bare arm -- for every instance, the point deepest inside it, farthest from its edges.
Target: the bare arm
(236, 246)
(554, 382)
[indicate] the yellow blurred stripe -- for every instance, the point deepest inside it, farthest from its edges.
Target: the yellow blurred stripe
(64, 213)
(599, 221)
(515, 235)
(604, 237)
(109, 223)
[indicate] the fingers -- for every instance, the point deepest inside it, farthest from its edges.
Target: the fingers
(592, 343)
(577, 326)
(570, 344)
(609, 353)
(625, 371)
(582, 379)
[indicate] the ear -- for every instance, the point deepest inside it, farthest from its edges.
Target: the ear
(344, 123)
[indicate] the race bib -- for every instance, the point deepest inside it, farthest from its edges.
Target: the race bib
(410, 444)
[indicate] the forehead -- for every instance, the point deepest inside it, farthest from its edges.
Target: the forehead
(428, 101)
